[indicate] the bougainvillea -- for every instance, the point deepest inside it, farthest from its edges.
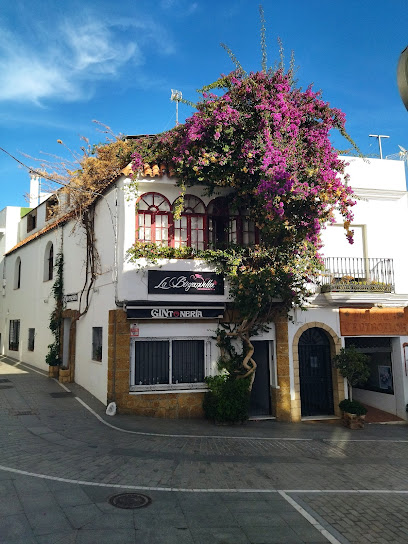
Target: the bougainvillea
(266, 142)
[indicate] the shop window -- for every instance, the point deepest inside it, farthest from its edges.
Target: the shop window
(49, 261)
(163, 364)
(17, 273)
(190, 229)
(97, 343)
(31, 336)
(378, 350)
(14, 334)
(31, 220)
(154, 219)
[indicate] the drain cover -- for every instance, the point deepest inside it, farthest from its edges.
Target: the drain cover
(6, 386)
(61, 395)
(4, 380)
(130, 500)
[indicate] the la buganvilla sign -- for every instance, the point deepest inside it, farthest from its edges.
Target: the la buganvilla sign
(185, 283)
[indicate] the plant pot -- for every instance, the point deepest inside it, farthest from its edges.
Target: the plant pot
(353, 421)
(64, 375)
(53, 371)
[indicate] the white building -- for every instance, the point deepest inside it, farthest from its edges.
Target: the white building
(146, 339)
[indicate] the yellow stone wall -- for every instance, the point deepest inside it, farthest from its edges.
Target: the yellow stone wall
(165, 405)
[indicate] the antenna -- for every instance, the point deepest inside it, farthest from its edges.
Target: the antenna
(402, 155)
(176, 96)
(379, 136)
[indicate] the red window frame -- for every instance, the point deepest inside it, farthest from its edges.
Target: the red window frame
(192, 205)
(154, 205)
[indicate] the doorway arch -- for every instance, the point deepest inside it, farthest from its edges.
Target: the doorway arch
(337, 382)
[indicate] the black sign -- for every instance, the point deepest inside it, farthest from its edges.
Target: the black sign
(185, 283)
(71, 298)
(173, 313)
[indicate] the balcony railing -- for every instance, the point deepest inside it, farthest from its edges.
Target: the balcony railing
(357, 274)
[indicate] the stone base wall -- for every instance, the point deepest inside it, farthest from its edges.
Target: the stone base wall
(165, 405)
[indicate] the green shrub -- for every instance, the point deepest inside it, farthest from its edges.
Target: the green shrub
(352, 407)
(52, 358)
(227, 400)
(353, 365)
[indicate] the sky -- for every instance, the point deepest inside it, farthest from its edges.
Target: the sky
(64, 65)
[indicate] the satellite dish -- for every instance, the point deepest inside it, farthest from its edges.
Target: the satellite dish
(402, 76)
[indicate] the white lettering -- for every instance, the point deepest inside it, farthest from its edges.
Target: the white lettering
(165, 313)
(181, 282)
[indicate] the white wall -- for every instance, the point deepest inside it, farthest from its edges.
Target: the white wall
(133, 280)
(380, 217)
(376, 174)
(32, 303)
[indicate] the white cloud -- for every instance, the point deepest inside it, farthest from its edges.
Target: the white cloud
(181, 6)
(67, 60)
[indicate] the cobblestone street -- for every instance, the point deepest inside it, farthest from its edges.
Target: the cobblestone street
(263, 482)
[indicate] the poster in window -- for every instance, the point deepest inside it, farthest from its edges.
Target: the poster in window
(385, 377)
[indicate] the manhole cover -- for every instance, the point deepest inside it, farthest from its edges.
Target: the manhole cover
(130, 500)
(61, 395)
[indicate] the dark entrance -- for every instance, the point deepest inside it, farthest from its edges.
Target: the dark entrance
(316, 386)
(260, 403)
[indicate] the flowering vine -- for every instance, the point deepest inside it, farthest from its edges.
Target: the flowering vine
(267, 143)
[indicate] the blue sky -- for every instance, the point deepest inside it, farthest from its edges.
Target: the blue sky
(65, 64)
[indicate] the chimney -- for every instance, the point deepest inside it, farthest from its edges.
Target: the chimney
(34, 190)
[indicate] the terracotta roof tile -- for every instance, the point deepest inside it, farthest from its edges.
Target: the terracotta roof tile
(59, 221)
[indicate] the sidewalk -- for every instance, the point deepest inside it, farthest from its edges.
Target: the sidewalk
(62, 458)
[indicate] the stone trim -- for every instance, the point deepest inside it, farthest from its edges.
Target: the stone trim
(281, 397)
(338, 380)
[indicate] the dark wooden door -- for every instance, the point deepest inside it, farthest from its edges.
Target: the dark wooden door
(260, 402)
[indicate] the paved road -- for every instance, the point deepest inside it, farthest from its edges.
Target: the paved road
(62, 458)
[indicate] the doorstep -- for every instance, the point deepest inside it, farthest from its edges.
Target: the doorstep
(321, 418)
(261, 418)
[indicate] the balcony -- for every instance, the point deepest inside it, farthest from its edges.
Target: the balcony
(357, 275)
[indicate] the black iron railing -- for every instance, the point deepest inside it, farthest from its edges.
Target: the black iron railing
(357, 274)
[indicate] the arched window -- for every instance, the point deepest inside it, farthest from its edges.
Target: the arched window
(242, 230)
(49, 262)
(153, 219)
(226, 227)
(17, 273)
(218, 223)
(190, 229)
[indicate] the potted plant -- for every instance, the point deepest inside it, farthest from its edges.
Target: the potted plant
(53, 360)
(353, 413)
(352, 365)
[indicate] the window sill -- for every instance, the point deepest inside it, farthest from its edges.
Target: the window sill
(166, 388)
(167, 391)
(96, 361)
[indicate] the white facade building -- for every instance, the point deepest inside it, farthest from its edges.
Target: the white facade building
(146, 339)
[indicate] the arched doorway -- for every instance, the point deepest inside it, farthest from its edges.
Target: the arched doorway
(316, 385)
